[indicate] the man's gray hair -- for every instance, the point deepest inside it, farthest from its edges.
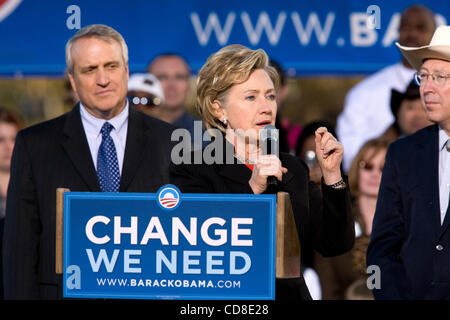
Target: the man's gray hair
(101, 31)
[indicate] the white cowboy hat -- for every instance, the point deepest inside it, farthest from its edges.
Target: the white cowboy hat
(439, 48)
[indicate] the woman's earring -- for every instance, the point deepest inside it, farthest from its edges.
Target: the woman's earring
(225, 121)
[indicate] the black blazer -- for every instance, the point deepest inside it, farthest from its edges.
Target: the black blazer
(324, 223)
(56, 154)
(408, 242)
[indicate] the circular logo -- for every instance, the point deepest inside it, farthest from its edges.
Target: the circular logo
(7, 7)
(168, 197)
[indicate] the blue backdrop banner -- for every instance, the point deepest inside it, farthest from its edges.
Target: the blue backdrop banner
(169, 245)
(306, 37)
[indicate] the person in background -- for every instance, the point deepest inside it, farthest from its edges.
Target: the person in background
(344, 276)
(145, 94)
(173, 73)
(408, 112)
(236, 106)
(10, 124)
(70, 97)
(366, 114)
(289, 132)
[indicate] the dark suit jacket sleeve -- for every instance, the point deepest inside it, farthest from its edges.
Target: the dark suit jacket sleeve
(323, 216)
(338, 233)
(388, 234)
(332, 223)
(22, 228)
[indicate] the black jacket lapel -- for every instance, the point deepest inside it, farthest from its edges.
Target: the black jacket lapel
(76, 146)
(428, 173)
(138, 139)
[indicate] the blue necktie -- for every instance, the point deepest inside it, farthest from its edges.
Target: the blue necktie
(107, 165)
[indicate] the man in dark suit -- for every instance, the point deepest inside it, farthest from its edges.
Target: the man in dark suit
(410, 241)
(101, 145)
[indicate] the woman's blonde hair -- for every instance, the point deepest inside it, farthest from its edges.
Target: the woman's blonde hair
(231, 65)
(367, 152)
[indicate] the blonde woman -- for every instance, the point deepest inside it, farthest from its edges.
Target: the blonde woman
(236, 96)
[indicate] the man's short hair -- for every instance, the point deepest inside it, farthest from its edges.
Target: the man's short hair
(168, 54)
(100, 31)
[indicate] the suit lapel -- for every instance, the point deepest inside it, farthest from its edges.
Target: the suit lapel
(76, 146)
(430, 163)
(428, 173)
(134, 149)
(446, 222)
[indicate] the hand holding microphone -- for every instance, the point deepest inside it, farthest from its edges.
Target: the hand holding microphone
(268, 168)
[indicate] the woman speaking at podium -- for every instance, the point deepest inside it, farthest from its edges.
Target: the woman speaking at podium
(236, 98)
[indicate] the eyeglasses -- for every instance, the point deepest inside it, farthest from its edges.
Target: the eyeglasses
(146, 101)
(368, 166)
(439, 78)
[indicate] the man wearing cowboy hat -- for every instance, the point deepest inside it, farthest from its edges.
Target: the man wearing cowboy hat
(366, 113)
(410, 241)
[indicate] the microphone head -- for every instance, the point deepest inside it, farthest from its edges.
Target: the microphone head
(269, 127)
(269, 140)
(269, 132)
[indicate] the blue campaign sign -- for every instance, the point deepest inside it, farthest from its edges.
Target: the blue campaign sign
(169, 245)
(306, 37)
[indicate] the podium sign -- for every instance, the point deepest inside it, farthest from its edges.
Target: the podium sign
(169, 245)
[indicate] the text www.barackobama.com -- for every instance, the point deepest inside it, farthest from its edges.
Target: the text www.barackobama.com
(167, 283)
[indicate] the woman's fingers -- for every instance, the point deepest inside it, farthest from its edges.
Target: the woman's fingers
(266, 166)
(270, 165)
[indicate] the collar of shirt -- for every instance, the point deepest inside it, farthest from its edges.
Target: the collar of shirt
(443, 138)
(92, 126)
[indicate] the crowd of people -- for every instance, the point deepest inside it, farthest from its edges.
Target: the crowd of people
(361, 182)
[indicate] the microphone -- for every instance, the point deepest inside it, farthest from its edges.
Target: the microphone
(269, 140)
